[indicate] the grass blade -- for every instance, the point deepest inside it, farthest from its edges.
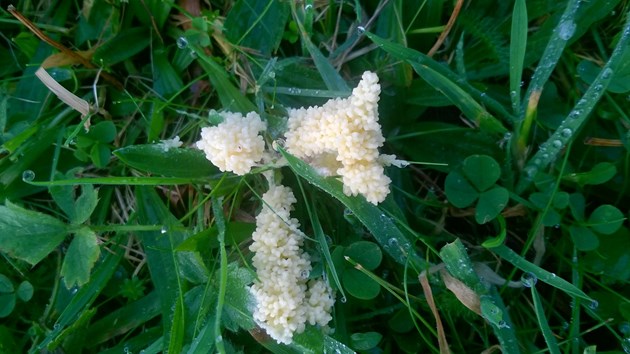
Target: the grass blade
(547, 277)
(566, 132)
(552, 344)
(518, 43)
(492, 308)
(415, 59)
(86, 296)
(160, 254)
(217, 209)
(460, 98)
(380, 225)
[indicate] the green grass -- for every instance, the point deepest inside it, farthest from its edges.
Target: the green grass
(115, 240)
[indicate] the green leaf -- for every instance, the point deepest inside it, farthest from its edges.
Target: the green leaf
(606, 219)
(238, 298)
(366, 253)
(167, 161)
(125, 45)
(6, 286)
(490, 204)
(99, 154)
(577, 204)
(359, 285)
(29, 235)
(231, 98)
(85, 204)
(459, 191)
(599, 174)
(80, 258)
(7, 304)
(620, 83)
(482, 171)
(365, 341)
(166, 81)
(25, 291)
(258, 25)
(583, 238)
(612, 259)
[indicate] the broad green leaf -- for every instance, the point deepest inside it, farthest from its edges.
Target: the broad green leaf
(359, 285)
(80, 258)
(612, 259)
(491, 203)
(606, 219)
(482, 171)
(374, 219)
(577, 204)
(583, 238)
(100, 154)
(166, 81)
(620, 83)
(238, 298)
(231, 98)
(459, 191)
(365, 341)
(329, 74)
(6, 286)
(600, 173)
(366, 253)
(29, 235)
(25, 291)
(258, 25)
(125, 45)
(7, 304)
(169, 161)
(85, 204)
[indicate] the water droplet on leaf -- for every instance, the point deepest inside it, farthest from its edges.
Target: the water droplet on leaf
(529, 279)
(181, 42)
(28, 176)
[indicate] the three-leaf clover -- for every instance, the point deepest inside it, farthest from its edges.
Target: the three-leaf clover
(474, 182)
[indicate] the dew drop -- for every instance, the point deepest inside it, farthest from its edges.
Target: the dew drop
(593, 305)
(163, 230)
(343, 299)
(567, 29)
(529, 279)
(272, 75)
(181, 42)
(625, 344)
(557, 144)
(575, 114)
(607, 73)
(304, 274)
(360, 30)
(392, 242)
(565, 325)
(566, 132)
(531, 171)
(308, 7)
(598, 88)
(502, 324)
(28, 176)
(624, 328)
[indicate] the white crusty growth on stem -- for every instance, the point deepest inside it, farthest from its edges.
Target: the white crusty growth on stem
(342, 137)
(285, 302)
(235, 144)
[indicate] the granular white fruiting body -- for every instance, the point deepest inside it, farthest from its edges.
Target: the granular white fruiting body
(342, 137)
(235, 144)
(285, 302)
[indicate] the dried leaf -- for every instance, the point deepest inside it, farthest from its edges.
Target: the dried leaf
(462, 292)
